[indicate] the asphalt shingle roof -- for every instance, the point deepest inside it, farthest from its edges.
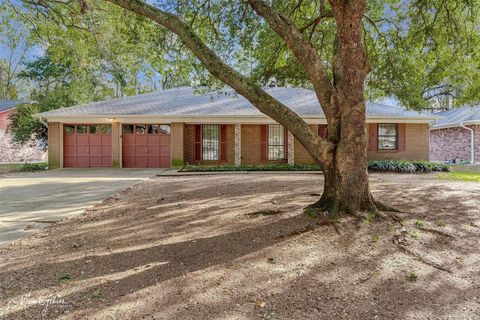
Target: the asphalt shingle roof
(10, 104)
(186, 101)
(454, 117)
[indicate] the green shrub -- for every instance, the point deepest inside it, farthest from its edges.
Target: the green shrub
(400, 166)
(33, 166)
(427, 166)
(391, 166)
(406, 166)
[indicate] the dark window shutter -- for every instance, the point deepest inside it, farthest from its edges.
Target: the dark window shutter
(372, 137)
(322, 130)
(263, 142)
(223, 142)
(401, 137)
(198, 142)
(285, 143)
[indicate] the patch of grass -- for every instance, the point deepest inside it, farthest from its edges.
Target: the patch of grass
(412, 276)
(375, 238)
(414, 235)
(312, 212)
(460, 176)
(17, 167)
(10, 167)
(370, 217)
(419, 223)
(465, 168)
(264, 213)
(97, 294)
(440, 223)
(33, 166)
(66, 277)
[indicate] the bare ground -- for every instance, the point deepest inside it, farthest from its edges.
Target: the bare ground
(239, 247)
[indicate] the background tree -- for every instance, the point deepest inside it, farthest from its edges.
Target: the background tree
(105, 54)
(15, 43)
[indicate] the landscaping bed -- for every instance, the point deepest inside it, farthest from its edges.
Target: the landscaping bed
(373, 166)
(240, 247)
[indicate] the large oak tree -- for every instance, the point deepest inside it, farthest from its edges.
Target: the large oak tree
(412, 45)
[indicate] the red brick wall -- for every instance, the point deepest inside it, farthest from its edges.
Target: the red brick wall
(4, 119)
(453, 144)
(250, 144)
(416, 145)
(301, 156)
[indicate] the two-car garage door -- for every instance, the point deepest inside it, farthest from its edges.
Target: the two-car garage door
(90, 145)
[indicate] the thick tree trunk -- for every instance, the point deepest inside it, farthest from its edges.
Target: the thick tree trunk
(346, 187)
(346, 177)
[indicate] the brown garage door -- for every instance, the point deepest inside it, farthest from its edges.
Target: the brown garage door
(87, 145)
(146, 146)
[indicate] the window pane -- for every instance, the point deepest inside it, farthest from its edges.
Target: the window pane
(387, 136)
(94, 129)
(82, 128)
(210, 141)
(387, 129)
(128, 128)
(69, 129)
(106, 129)
(387, 143)
(276, 153)
(276, 142)
(165, 128)
(153, 129)
(140, 129)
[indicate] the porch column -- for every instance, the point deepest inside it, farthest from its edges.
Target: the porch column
(291, 149)
(55, 145)
(238, 144)
(176, 144)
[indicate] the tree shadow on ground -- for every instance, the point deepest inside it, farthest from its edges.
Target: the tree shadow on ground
(201, 225)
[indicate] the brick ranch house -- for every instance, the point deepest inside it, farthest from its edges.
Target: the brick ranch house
(180, 126)
(455, 137)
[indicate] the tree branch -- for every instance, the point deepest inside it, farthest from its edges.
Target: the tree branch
(319, 149)
(305, 53)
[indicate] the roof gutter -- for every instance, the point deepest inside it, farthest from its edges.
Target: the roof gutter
(235, 118)
(453, 125)
(472, 143)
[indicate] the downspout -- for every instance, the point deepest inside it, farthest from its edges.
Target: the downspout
(472, 143)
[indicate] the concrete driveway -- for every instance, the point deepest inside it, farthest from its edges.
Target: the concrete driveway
(29, 201)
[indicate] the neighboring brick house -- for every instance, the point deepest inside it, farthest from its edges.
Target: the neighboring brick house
(178, 126)
(7, 107)
(13, 152)
(455, 137)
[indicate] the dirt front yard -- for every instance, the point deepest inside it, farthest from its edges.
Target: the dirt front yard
(237, 246)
